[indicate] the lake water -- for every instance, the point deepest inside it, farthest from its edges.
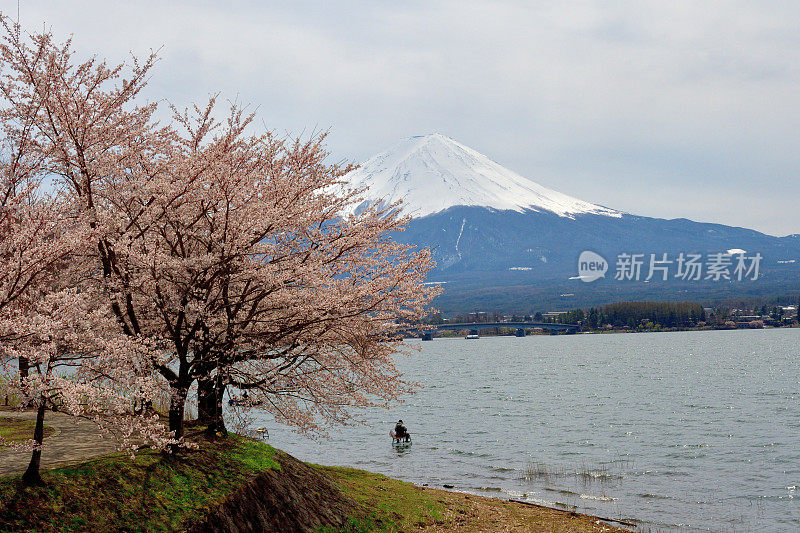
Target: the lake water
(671, 431)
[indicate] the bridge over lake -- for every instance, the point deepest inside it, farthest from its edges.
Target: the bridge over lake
(474, 328)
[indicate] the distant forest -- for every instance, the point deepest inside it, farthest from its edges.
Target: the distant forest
(633, 314)
(667, 315)
(648, 316)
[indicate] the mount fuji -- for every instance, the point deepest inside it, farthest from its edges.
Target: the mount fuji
(504, 242)
(432, 173)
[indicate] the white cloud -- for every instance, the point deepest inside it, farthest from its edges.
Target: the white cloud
(697, 101)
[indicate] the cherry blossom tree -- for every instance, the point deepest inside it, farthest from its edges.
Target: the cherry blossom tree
(229, 253)
(30, 244)
(278, 291)
(79, 364)
(69, 356)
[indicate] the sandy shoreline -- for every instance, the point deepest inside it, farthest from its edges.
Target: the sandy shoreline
(470, 512)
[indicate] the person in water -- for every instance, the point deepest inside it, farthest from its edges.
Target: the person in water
(401, 432)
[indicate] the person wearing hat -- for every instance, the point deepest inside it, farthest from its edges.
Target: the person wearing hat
(401, 432)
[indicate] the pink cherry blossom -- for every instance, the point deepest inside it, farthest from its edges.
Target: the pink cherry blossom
(197, 251)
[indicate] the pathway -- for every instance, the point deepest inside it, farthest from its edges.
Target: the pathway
(73, 439)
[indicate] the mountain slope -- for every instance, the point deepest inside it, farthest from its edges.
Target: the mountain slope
(504, 242)
(432, 173)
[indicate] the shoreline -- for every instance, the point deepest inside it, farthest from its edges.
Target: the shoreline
(616, 332)
(242, 480)
(507, 498)
(512, 503)
(469, 512)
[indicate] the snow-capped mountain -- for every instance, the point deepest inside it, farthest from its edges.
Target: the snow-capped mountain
(507, 243)
(431, 173)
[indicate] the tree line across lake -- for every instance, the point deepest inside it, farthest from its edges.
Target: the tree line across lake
(634, 314)
(640, 316)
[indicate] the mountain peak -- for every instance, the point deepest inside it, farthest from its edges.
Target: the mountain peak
(435, 137)
(433, 172)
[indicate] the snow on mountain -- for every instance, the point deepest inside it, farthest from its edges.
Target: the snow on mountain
(431, 173)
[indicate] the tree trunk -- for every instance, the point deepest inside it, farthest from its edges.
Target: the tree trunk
(32, 476)
(177, 405)
(206, 401)
(220, 421)
(210, 394)
(24, 368)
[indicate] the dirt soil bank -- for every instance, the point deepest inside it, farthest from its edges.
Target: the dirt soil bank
(494, 514)
(295, 498)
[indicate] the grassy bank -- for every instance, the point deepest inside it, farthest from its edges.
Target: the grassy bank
(18, 430)
(149, 493)
(386, 504)
(249, 482)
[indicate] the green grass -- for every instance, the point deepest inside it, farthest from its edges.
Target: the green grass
(152, 492)
(16, 430)
(385, 504)
(251, 454)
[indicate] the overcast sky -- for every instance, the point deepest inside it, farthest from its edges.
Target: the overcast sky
(667, 109)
